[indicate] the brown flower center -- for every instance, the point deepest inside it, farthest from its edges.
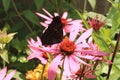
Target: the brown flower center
(67, 46)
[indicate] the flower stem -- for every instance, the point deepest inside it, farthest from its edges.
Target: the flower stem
(83, 19)
(62, 69)
(3, 63)
(113, 56)
(19, 15)
(82, 73)
(85, 5)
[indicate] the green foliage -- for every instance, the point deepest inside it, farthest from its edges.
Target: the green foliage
(99, 40)
(18, 75)
(6, 4)
(39, 3)
(92, 3)
(29, 15)
(4, 55)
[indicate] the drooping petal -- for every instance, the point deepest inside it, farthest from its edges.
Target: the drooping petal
(74, 65)
(94, 53)
(3, 73)
(67, 66)
(53, 67)
(10, 75)
(81, 61)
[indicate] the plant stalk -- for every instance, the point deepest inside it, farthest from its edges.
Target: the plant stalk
(85, 5)
(113, 56)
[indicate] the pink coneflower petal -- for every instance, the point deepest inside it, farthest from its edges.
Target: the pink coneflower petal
(56, 14)
(3, 73)
(87, 57)
(84, 36)
(81, 61)
(39, 41)
(65, 14)
(47, 12)
(69, 19)
(47, 22)
(53, 67)
(43, 16)
(73, 35)
(67, 65)
(94, 53)
(34, 55)
(44, 24)
(10, 75)
(74, 65)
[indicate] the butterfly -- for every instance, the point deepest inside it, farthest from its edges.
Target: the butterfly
(54, 33)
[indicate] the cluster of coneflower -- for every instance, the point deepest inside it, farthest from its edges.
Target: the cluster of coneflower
(71, 54)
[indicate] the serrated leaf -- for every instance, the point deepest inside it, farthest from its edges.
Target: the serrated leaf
(4, 55)
(29, 15)
(6, 4)
(92, 3)
(39, 3)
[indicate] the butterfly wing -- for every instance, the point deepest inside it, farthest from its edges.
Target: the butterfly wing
(54, 32)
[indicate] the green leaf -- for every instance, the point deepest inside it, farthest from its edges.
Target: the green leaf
(96, 15)
(9, 37)
(4, 55)
(92, 3)
(6, 4)
(102, 44)
(107, 34)
(19, 76)
(39, 3)
(31, 17)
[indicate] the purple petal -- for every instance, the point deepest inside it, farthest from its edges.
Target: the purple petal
(10, 75)
(53, 67)
(3, 73)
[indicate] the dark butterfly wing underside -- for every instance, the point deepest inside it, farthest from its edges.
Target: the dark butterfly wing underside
(54, 32)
